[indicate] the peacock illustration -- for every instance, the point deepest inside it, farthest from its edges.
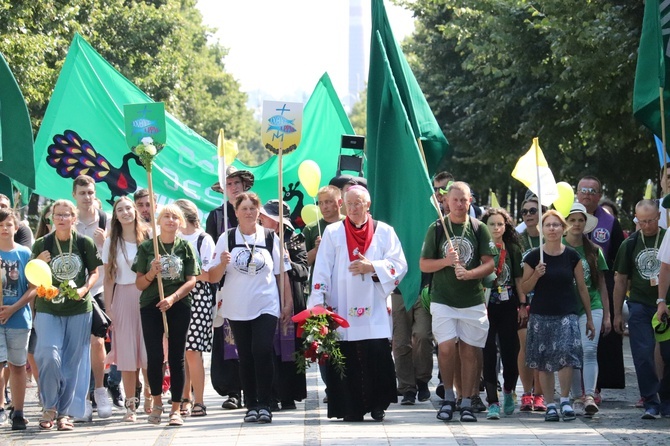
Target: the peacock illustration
(289, 194)
(72, 156)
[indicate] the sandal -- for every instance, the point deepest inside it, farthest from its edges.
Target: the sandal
(185, 407)
(199, 410)
(131, 410)
(155, 416)
(567, 411)
(446, 412)
(64, 424)
(148, 403)
(176, 419)
(552, 414)
(467, 416)
(47, 421)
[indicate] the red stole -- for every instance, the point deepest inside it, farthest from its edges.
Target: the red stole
(358, 239)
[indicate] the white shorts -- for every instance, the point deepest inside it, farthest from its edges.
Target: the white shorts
(470, 325)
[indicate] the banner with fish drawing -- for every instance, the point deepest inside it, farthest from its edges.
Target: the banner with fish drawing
(83, 131)
(281, 126)
(142, 120)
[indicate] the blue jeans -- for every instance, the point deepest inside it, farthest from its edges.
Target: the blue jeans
(63, 357)
(642, 345)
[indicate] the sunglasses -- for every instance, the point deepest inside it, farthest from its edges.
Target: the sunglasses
(531, 211)
(588, 191)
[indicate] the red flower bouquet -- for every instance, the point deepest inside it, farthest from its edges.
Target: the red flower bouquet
(318, 329)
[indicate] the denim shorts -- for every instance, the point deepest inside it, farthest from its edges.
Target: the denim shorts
(14, 345)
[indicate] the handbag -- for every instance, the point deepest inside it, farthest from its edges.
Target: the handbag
(101, 321)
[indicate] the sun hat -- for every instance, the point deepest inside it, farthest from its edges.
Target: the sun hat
(591, 221)
(271, 209)
(232, 172)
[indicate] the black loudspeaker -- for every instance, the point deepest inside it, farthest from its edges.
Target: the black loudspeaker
(351, 162)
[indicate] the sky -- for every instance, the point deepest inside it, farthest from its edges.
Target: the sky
(278, 50)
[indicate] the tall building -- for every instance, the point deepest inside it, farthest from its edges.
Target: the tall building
(356, 54)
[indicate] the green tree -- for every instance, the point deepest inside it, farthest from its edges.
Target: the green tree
(358, 114)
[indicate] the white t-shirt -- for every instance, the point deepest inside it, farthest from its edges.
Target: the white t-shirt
(124, 275)
(247, 293)
(206, 254)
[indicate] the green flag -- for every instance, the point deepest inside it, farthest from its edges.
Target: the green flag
(652, 66)
(16, 133)
(83, 132)
(421, 118)
(396, 173)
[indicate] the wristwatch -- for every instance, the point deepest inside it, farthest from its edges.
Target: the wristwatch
(658, 301)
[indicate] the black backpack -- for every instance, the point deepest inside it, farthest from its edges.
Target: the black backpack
(81, 245)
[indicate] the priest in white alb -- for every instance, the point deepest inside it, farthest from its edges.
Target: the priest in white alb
(359, 263)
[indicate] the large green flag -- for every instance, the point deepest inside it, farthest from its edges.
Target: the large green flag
(399, 184)
(16, 133)
(421, 118)
(652, 66)
(83, 132)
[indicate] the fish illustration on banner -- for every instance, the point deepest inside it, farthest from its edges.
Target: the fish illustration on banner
(145, 120)
(281, 126)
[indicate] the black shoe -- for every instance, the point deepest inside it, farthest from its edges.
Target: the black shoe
(353, 418)
(264, 416)
(138, 393)
(19, 423)
(378, 415)
(288, 405)
(231, 403)
(274, 406)
(477, 404)
(115, 393)
(424, 393)
(94, 405)
(439, 390)
(408, 399)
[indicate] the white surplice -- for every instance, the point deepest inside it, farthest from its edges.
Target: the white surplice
(359, 299)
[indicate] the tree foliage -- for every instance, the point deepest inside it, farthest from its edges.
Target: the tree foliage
(160, 45)
(499, 72)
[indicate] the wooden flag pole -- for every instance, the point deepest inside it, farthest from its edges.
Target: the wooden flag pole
(665, 157)
(281, 227)
(161, 292)
(539, 192)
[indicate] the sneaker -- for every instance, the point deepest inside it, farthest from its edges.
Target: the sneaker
(408, 399)
(424, 392)
(115, 393)
(578, 406)
(102, 400)
(640, 403)
(526, 403)
(650, 414)
(3, 417)
(567, 411)
(494, 412)
(538, 403)
(94, 406)
(88, 414)
(19, 423)
(231, 403)
(251, 416)
(508, 403)
(477, 404)
(264, 416)
(590, 406)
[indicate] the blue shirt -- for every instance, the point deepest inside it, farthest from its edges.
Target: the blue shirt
(14, 285)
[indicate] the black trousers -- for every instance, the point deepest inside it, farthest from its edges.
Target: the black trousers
(178, 318)
(255, 347)
(503, 325)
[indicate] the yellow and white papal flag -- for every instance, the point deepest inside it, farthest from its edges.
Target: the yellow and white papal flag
(533, 171)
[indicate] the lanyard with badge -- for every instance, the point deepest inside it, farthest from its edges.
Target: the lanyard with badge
(502, 288)
(465, 227)
(251, 267)
(653, 280)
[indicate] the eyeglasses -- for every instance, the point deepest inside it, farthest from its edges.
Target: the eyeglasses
(647, 222)
(531, 211)
(355, 205)
(61, 216)
(588, 191)
(552, 225)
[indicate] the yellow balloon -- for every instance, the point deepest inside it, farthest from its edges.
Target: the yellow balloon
(566, 197)
(310, 177)
(310, 213)
(38, 273)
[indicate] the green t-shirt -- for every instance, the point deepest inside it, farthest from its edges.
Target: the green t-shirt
(594, 292)
(178, 261)
(311, 232)
(641, 267)
(528, 242)
(66, 267)
(511, 269)
(446, 289)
